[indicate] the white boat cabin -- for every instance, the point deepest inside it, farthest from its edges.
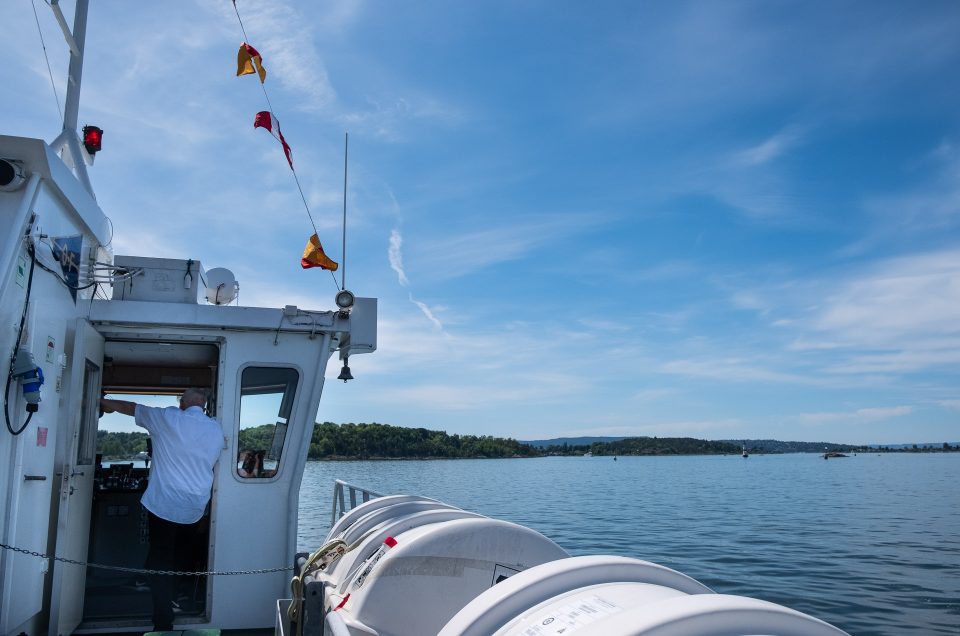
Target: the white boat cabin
(150, 331)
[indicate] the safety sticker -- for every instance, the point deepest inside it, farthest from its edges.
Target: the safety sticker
(568, 618)
(502, 573)
(388, 543)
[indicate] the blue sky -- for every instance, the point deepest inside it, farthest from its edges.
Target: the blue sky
(709, 219)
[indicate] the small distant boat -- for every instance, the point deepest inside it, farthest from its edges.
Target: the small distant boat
(830, 454)
(745, 454)
(588, 454)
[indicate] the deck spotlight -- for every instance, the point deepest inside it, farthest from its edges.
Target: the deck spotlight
(11, 175)
(345, 299)
(345, 371)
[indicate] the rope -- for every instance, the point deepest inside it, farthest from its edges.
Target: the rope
(318, 560)
(296, 179)
(120, 568)
(302, 198)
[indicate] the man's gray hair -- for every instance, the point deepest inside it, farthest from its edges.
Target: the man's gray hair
(195, 397)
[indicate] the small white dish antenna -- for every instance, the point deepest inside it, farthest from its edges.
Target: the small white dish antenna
(222, 286)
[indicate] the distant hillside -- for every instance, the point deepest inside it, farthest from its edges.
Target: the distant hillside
(938, 445)
(583, 444)
(634, 446)
(664, 446)
(753, 445)
(382, 441)
(777, 446)
(569, 441)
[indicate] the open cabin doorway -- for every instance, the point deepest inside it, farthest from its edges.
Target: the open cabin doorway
(153, 373)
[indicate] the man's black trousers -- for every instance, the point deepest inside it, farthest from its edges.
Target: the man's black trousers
(170, 549)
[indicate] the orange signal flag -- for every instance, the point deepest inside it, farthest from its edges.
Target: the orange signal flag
(313, 256)
(249, 61)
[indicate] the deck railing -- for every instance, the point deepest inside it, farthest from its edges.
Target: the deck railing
(343, 493)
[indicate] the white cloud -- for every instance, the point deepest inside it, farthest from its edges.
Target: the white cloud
(860, 415)
(666, 270)
(734, 370)
(427, 312)
(476, 394)
(744, 299)
(893, 316)
(395, 254)
(928, 209)
(465, 252)
(750, 179)
(654, 395)
(666, 428)
(898, 302)
(769, 149)
(386, 118)
(895, 363)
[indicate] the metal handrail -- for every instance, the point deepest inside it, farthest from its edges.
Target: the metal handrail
(340, 488)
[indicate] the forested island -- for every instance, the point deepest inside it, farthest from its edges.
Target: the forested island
(120, 445)
(382, 441)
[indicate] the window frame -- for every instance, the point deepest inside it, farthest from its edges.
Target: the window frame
(294, 408)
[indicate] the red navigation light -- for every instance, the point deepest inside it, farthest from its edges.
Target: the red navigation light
(92, 138)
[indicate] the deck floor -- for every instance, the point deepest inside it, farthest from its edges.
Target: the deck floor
(122, 598)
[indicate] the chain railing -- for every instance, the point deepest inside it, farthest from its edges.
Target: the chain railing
(120, 568)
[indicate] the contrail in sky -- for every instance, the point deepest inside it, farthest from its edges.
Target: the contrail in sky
(395, 255)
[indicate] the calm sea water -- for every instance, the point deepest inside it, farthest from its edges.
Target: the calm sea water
(869, 543)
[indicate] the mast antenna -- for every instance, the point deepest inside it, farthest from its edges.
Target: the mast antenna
(343, 247)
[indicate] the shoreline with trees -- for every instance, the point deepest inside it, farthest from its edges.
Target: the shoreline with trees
(375, 441)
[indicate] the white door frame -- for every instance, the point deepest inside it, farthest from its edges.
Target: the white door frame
(76, 481)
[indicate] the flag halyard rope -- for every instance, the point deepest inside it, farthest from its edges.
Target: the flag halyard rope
(293, 170)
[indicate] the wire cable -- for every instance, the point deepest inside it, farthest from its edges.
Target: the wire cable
(16, 344)
(53, 85)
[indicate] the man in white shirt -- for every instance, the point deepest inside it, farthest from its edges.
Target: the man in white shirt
(186, 446)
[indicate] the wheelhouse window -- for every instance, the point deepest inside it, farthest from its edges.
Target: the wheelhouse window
(267, 396)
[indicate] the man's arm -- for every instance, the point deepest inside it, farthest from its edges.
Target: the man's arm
(118, 406)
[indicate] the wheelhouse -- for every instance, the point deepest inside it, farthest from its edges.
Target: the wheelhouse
(156, 335)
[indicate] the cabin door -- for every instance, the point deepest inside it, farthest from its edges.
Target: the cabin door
(76, 482)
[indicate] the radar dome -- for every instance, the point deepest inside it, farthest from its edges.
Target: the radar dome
(222, 287)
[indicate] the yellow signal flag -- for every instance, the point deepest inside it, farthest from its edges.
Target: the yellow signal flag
(313, 256)
(249, 61)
